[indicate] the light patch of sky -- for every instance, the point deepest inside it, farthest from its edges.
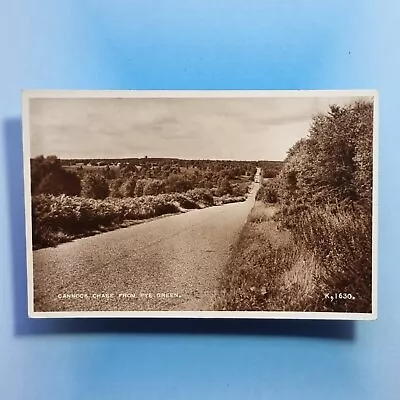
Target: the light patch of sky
(191, 128)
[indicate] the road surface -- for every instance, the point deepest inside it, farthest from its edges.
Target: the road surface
(168, 264)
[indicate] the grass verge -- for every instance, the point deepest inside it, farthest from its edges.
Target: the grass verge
(275, 269)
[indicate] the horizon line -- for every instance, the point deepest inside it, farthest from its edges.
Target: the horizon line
(151, 158)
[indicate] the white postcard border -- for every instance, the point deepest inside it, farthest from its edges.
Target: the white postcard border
(27, 95)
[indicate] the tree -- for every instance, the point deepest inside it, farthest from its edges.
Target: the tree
(128, 187)
(178, 183)
(60, 182)
(128, 169)
(109, 173)
(224, 187)
(49, 177)
(153, 187)
(95, 186)
(334, 163)
(363, 160)
(116, 188)
(139, 187)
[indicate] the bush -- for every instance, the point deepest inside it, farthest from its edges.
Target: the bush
(140, 187)
(186, 202)
(153, 187)
(224, 187)
(270, 173)
(49, 177)
(325, 193)
(334, 163)
(127, 187)
(268, 193)
(165, 208)
(178, 183)
(201, 195)
(95, 186)
(60, 218)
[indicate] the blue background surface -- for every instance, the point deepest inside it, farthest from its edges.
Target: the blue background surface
(252, 44)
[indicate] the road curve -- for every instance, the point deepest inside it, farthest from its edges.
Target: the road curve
(168, 264)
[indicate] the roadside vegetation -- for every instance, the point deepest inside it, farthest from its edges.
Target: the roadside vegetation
(76, 198)
(307, 244)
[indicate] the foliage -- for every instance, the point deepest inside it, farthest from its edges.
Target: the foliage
(319, 239)
(116, 188)
(201, 195)
(138, 177)
(59, 218)
(48, 176)
(268, 192)
(153, 187)
(139, 187)
(127, 187)
(334, 163)
(95, 186)
(224, 187)
(325, 191)
(340, 239)
(178, 183)
(270, 173)
(115, 191)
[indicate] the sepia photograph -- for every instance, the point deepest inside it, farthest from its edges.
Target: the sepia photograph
(237, 204)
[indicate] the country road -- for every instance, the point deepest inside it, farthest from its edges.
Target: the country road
(168, 264)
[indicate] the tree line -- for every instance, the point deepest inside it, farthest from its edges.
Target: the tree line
(50, 175)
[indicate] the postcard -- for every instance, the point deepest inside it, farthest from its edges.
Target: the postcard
(201, 204)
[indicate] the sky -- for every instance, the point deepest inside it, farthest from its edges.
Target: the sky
(189, 128)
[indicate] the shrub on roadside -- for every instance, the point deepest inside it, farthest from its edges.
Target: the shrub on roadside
(325, 193)
(334, 163)
(201, 195)
(324, 197)
(59, 218)
(268, 192)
